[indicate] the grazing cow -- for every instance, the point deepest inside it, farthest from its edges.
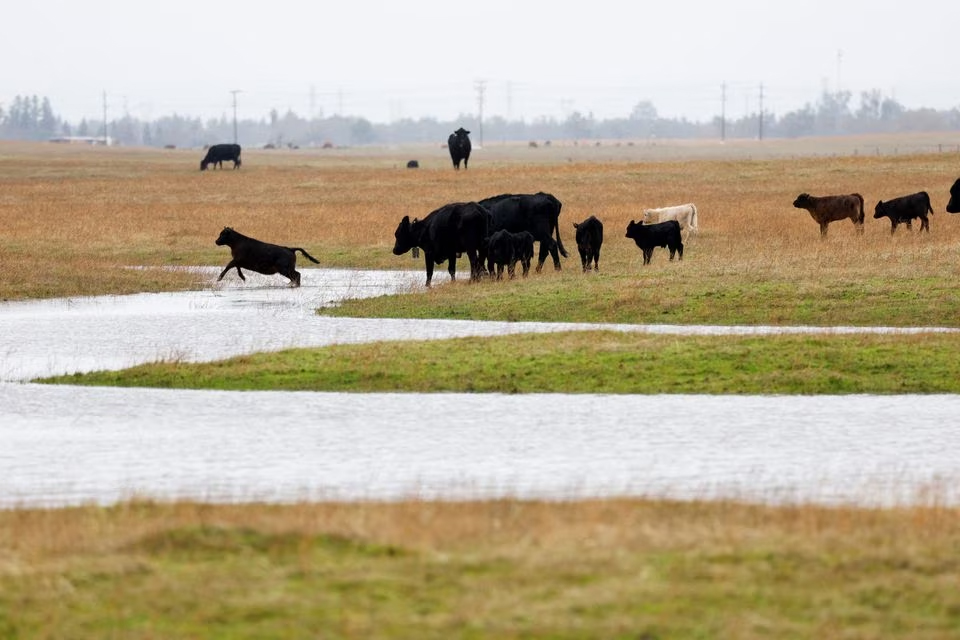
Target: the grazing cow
(589, 240)
(261, 257)
(538, 213)
(660, 234)
(459, 145)
(446, 233)
(827, 209)
(954, 205)
(217, 153)
(904, 209)
(685, 214)
(413, 164)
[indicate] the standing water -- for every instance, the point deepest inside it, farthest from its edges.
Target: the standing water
(69, 445)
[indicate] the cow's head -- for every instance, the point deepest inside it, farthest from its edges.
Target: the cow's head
(802, 201)
(461, 132)
(227, 236)
(954, 205)
(878, 210)
(203, 164)
(633, 228)
(405, 236)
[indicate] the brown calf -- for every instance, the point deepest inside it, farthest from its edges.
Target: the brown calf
(827, 209)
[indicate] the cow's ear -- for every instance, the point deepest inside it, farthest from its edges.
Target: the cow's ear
(405, 221)
(576, 226)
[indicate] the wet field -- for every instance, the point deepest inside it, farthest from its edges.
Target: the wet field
(69, 445)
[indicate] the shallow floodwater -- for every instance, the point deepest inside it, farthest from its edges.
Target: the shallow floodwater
(68, 445)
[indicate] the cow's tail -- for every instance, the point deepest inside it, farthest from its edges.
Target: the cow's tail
(694, 219)
(860, 216)
(305, 254)
(563, 251)
(929, 208)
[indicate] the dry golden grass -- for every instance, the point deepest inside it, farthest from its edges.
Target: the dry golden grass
(71, 217)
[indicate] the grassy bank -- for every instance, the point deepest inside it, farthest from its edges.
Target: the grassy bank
(582, 362)
(497, 569)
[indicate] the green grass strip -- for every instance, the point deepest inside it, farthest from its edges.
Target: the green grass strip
(582, 362)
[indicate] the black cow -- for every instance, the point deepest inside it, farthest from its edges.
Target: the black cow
(505, 249)
(589, 240)
(954, 205)
(904, 209)
(413, 164)
(523, 250)
(538, 213)
(261, 257)
(500, 253)
(660, 234)
(459, 145)
(218, 153)
(445, 233)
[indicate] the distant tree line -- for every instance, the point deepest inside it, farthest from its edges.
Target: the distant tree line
(33, 118)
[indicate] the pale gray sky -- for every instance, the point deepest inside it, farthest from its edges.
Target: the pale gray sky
(410, 58)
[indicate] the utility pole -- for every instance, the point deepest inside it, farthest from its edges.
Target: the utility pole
(723, 112)
(105, 138)
(481, 87)
(235, 92)
(839, 65)
(761, 111)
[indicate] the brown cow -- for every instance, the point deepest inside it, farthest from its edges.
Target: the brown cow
(827, 209)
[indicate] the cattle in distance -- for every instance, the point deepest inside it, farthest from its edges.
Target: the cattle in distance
(589, 235)
(660, 234)
(459, 146)
(259, 256)
(444, 234)
(413, 164)
(904, 209)
(685, 214)
(536, 213)
(827, 209)
(954, 205)
(217, 154)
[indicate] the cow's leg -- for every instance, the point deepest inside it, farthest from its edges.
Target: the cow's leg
(823, 229)
(476, 266)
(647, 254)
(680, 251)
(452, 266)
(596, 261)
(294, 278)
(230, 265)
(925, 224)
(428, 260)
(893, 226)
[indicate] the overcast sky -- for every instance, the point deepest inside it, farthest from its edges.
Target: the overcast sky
(385, 60)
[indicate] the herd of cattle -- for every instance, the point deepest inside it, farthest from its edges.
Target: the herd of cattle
(498, 232)
(902, 210)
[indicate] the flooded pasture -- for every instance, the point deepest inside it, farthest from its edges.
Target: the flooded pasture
(69, 445)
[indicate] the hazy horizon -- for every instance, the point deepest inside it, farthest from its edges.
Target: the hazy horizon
(385, 61)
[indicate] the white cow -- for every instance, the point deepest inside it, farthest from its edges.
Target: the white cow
(685, 214)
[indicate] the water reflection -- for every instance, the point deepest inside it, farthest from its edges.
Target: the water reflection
(64, 445)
